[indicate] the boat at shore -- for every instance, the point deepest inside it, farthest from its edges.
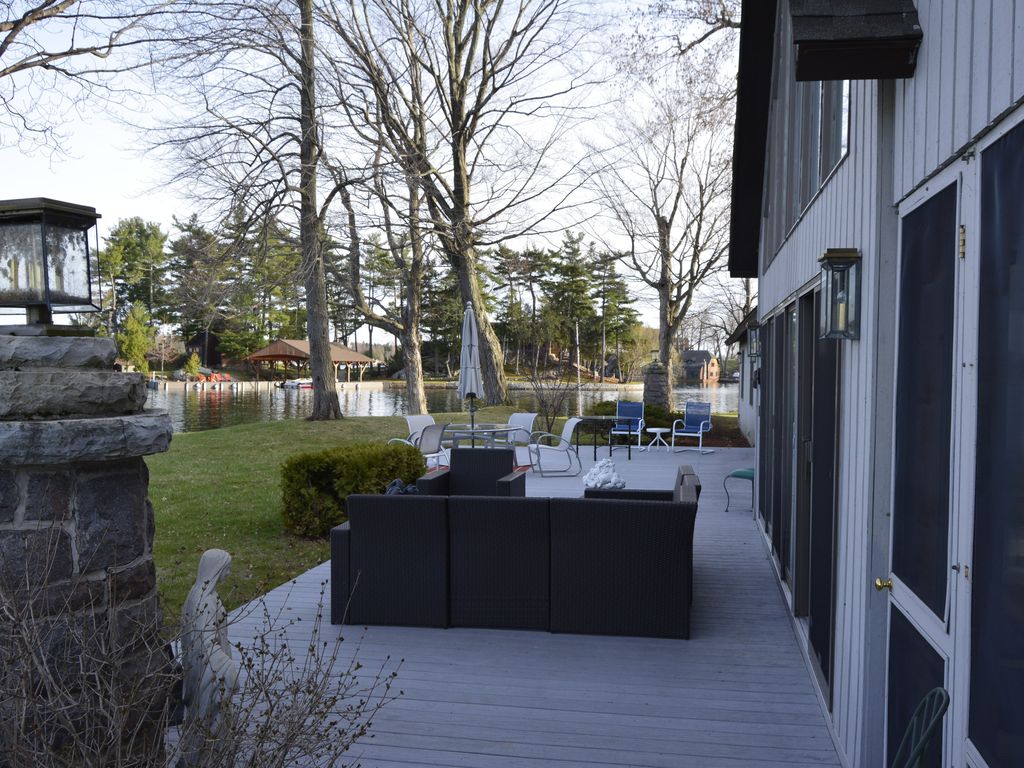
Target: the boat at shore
(297, 384)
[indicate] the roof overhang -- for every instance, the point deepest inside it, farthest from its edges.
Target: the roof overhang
(753, 96)
(855, 39)
(748, 322)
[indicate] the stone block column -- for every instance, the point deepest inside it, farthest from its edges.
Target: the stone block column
(76, 546)
(658, 386)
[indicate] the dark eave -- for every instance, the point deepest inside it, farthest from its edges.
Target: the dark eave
(743, 327)
(855, 39)
(753, 95)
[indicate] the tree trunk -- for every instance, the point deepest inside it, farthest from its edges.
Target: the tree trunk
(325, 389)
(416, 396)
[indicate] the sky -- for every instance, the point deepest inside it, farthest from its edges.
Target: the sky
(102, 163)
(102, 167)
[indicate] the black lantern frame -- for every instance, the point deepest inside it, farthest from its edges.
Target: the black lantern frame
(45, 259)
(753, 341)
(840, 293)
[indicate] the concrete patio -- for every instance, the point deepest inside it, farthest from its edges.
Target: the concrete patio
(738, 693)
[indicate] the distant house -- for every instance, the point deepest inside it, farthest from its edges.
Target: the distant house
(700, 365)
(207, 346)
(889, 488)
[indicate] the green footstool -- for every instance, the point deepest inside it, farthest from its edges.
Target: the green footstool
(745, 473)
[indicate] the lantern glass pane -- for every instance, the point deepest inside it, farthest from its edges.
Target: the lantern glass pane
(68, 253)
(840, 299)
(21, 265)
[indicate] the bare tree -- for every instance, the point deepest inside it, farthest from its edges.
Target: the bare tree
(90, 689)
(54, 53)
(667, 193)
(254, 141)
(682, 39)
(406, 248)
(459, 91)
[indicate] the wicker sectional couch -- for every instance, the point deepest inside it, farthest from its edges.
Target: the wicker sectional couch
(615, 563)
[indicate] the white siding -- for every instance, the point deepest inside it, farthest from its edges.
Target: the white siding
(845, 214)
(970, 70)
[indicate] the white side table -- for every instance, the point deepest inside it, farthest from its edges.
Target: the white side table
(659, 437)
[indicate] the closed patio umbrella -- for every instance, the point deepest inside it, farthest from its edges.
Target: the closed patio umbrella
(471, 383)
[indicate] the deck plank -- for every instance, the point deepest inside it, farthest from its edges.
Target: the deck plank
(738, 693)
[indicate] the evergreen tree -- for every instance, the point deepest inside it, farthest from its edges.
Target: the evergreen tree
(614, 304)
(567, 293)
(132, 269)
(442, 314)
(137, 339)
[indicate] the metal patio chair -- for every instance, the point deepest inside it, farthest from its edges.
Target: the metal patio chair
(541, 449)
(695, 422)
(429, 443)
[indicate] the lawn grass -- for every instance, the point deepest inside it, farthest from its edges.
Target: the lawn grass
(221, 488)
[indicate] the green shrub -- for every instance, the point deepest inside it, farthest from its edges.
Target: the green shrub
(654, 415)
(314, 486)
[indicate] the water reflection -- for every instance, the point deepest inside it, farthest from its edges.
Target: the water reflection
(192, 410)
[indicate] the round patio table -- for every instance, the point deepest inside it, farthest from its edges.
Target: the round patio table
(488, 433)
(658, 439)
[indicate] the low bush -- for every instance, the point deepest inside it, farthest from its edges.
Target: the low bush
(314, 486)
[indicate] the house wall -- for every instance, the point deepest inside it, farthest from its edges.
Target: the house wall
(844, 214)
(970, 72)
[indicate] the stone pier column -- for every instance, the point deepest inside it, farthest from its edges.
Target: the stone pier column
(658, 386)
(76, 551)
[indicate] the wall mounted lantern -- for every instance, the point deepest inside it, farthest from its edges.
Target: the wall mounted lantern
(840, 293)
(44, 257)
(753, 341)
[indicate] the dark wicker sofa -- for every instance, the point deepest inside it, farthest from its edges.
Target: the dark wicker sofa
(616, 565)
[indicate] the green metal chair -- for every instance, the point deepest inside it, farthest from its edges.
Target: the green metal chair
(745, 473)
(922, 728)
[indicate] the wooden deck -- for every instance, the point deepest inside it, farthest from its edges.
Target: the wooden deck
(738, 693)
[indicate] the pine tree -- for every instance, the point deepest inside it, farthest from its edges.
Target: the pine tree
(137, 338)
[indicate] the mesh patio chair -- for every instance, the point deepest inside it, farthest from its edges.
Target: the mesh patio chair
(429, 443)
(520, 439)
(923, 727)
(417, 423)
(696, 421)
(629, 416)
(546, 448)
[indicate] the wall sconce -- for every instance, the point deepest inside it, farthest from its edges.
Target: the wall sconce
(44, 257)
(753, 341)
(840, 293)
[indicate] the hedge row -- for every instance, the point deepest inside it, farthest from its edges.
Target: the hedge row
(314, 486)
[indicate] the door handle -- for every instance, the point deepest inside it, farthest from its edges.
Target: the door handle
(881, 584)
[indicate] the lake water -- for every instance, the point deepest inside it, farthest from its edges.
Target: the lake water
(192, 411)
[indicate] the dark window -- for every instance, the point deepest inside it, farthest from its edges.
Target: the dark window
(914, 669)
(924, 385)
(997, 600)
(821, 600)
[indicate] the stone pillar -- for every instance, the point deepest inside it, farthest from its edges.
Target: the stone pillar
(76, 549)
(658, 386)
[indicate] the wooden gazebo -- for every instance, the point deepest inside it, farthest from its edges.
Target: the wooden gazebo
(297, 351)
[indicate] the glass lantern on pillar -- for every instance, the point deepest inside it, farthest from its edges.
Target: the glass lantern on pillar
(44, 258)
(840, 293)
